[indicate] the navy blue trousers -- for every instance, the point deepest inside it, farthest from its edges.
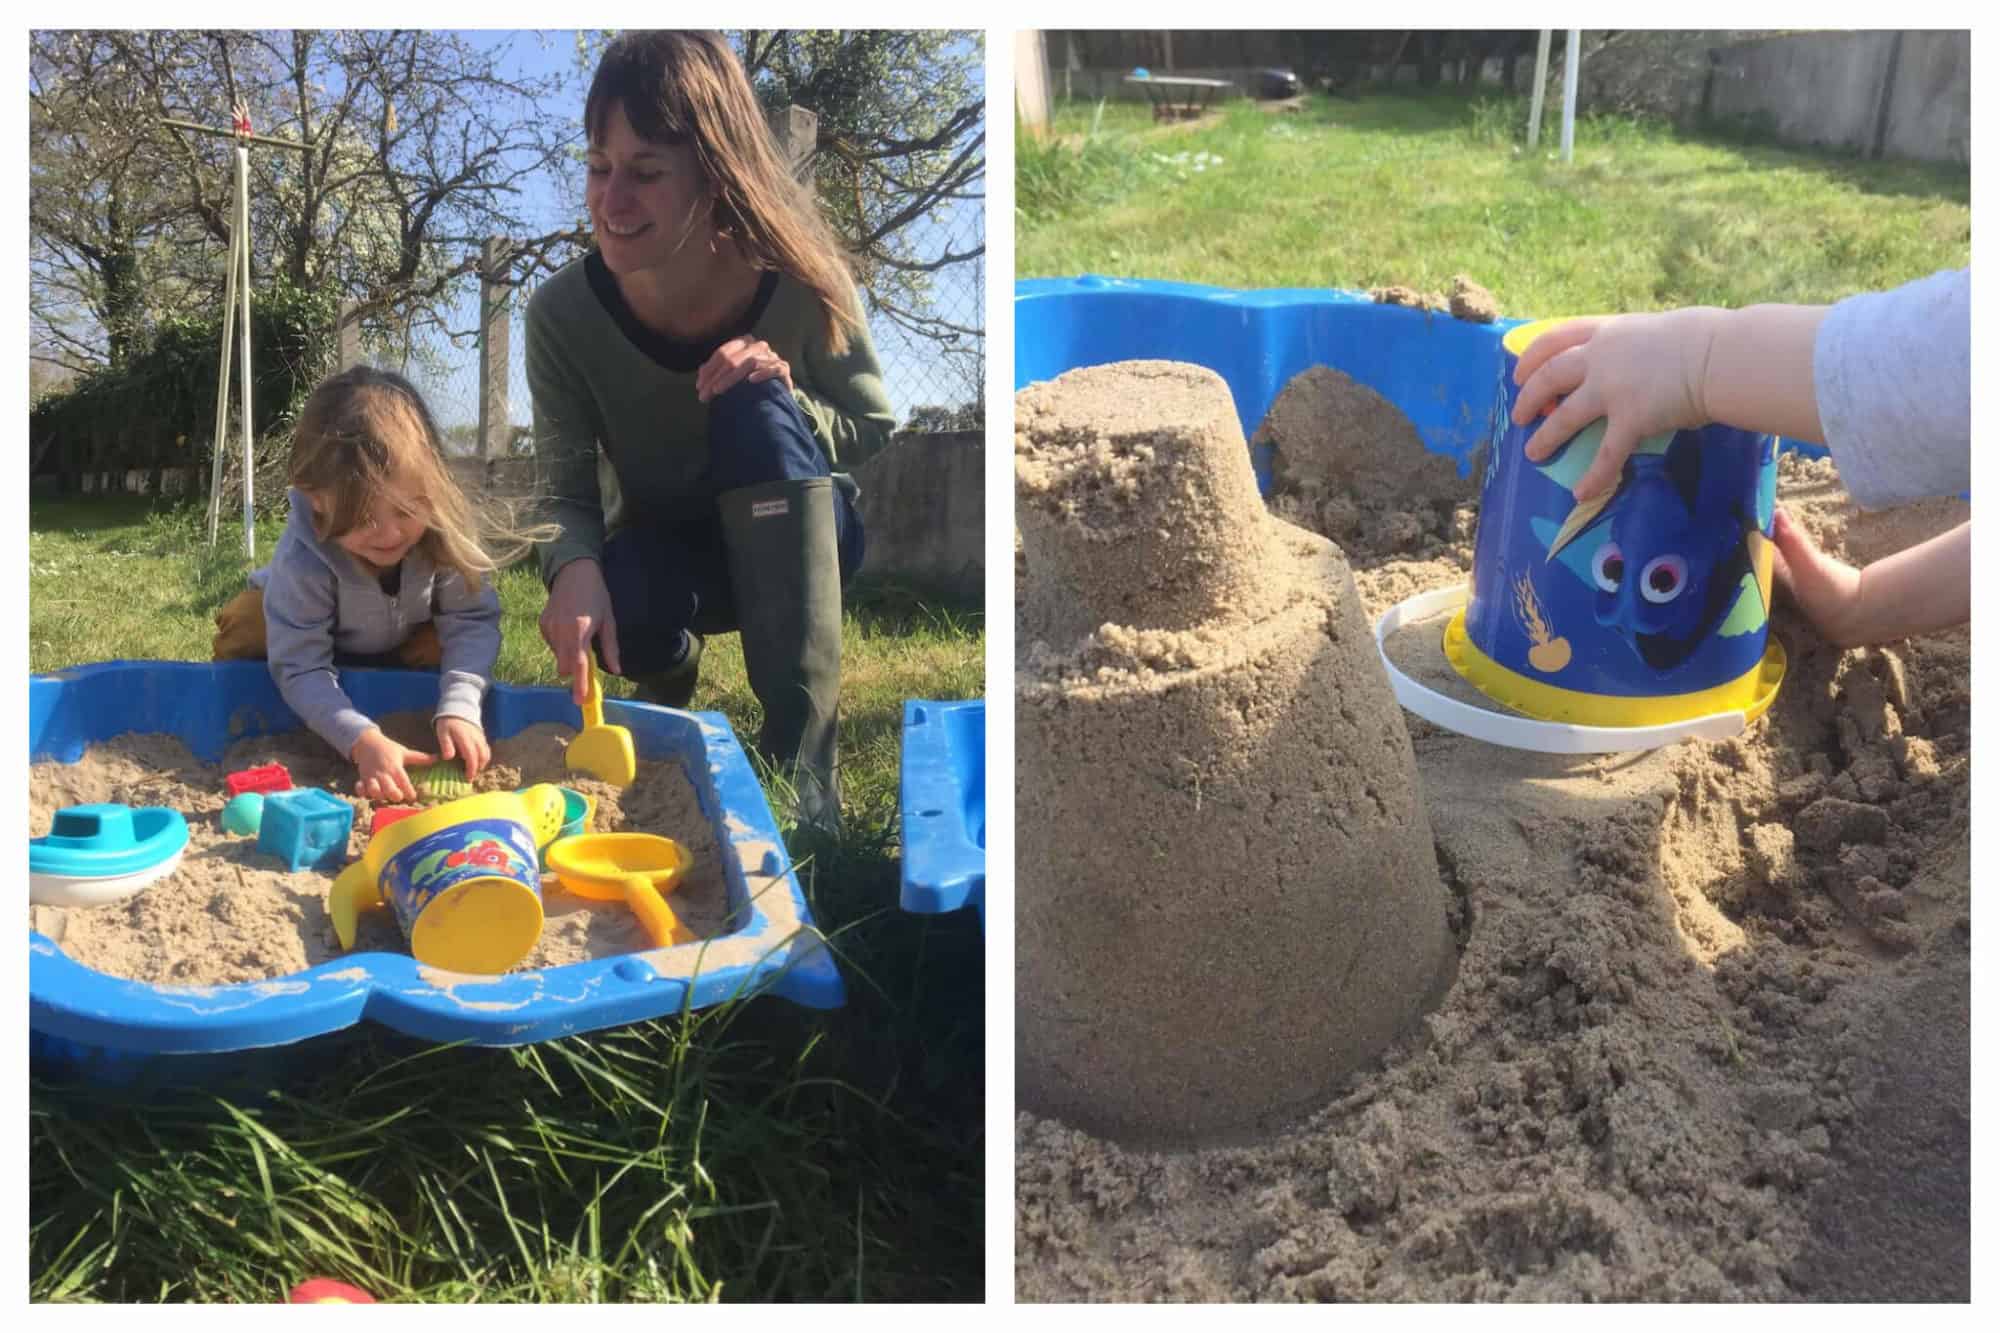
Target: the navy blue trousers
(669, 578)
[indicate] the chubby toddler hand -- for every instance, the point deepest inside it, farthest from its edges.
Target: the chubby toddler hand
(383, 764)
(465, 742)
(1642, 374)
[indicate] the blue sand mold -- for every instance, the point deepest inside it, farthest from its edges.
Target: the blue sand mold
(305, 827)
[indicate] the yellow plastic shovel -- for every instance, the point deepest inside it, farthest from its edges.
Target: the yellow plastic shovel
(604, 752)
(638, 867)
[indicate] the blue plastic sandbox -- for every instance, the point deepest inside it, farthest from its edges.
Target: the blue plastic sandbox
(83, 1018)
(943, 799)
(1441, 372)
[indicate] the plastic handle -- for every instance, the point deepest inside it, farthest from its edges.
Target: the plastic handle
(659, 920)
(1510, 730)
(593, 700)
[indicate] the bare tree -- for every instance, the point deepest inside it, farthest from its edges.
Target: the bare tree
(421, 145)
(103, 222)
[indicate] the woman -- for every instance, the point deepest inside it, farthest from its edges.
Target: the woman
(694, 379)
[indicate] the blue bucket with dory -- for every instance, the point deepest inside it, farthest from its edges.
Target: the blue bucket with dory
(1645, 607)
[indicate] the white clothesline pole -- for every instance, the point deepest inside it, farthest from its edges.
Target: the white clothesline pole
(216, 452)
(1541, 82)
(243, 342)
(236, 322)
(1572, 56)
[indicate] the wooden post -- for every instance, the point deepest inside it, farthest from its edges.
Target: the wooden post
(347, 336)
(1031, 81)
(797, 133)
(495, 328)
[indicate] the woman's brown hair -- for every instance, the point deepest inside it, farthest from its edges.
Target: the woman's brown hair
(364, 430)
(689, 88)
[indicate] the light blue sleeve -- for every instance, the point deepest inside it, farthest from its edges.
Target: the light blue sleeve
(468, 624)
(298, 633)
(1892, 375)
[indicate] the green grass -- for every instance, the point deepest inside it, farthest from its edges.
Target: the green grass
(752, 1151)
(1412, 189)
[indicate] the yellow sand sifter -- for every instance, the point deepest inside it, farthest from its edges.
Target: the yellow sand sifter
(640, 868)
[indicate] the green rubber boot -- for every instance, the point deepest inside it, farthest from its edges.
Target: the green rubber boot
(784, 570)
(673, 688)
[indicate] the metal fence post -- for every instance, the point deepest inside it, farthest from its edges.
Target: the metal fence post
(495, 328)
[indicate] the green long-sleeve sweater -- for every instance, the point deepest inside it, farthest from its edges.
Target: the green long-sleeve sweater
(618, 429)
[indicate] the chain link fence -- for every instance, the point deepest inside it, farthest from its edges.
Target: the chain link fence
(441, 357)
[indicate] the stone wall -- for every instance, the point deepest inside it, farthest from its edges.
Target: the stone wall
(923, 502)
(1881, 94)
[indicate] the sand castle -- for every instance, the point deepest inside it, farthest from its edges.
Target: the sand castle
(1227, 894)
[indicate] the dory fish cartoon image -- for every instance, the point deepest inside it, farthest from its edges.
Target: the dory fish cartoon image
(1678, 550)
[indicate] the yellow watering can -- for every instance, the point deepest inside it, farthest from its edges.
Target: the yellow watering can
(463, 878)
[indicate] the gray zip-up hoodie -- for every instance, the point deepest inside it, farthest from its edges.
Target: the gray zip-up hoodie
(318, 601)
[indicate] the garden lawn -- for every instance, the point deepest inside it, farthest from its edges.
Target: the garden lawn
(1411, 189)
(752, 1151)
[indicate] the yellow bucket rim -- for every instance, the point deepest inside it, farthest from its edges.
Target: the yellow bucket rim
(510, 805)
(1750, 693)
(1517, 339)
(484, 926)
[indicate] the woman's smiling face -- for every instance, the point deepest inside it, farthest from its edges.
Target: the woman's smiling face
(647, 200)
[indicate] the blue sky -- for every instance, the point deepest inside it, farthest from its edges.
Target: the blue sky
(908, 362)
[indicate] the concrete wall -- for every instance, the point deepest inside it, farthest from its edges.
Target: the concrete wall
(923, 502)
(1930, 106)
(1900, 94)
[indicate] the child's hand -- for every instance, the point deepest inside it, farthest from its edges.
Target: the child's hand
(1642, 373)
(465, 742)
(1826, 589)
(382, 763)
(1923, 588)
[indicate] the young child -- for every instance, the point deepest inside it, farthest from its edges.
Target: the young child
(380, 565)
(1883, 379)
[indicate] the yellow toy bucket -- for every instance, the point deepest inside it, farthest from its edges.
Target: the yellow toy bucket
(463, 879)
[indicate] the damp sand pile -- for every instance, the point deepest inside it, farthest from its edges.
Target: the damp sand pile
(230, 913)
(1230, 896)
(1709, 1036)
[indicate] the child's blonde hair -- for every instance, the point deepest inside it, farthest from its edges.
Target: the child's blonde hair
(364, 429)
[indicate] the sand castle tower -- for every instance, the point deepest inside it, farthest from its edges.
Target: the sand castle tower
(1227, 895)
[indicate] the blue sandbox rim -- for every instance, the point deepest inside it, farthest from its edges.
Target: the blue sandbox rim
(212, 706)
(943, 799)
(1440, 371)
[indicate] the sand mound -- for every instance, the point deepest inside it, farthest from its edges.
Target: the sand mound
(1708, 1041)
(1229, 896)
(1347, 464)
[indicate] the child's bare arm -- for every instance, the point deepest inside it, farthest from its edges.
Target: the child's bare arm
(1644, 374)
(1926, 587)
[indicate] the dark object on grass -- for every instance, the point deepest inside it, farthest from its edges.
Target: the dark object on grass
(1270, 85)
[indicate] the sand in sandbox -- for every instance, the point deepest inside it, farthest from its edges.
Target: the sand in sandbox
(1709, 1036)
(1229, 894)
(1346, 463)
(230, 913)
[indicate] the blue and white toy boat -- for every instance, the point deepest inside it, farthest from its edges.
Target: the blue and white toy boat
(98, 854)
